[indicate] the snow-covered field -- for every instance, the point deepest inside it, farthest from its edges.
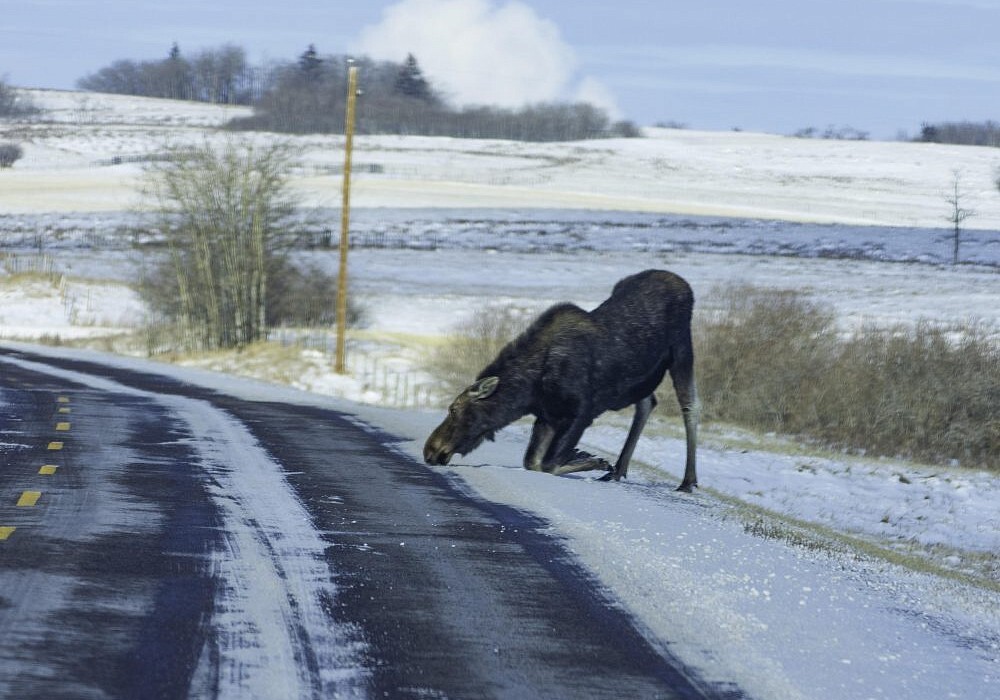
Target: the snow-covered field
(69, 165)
(794, 573)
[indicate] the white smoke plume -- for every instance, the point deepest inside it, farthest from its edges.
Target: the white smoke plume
(481, 52)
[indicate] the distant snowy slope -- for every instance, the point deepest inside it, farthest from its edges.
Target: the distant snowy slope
(71, 149)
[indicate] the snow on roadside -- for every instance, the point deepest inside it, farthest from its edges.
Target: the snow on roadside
(37, 307)
(949, 515)
(802, 621)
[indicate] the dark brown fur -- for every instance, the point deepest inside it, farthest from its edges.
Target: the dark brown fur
(570, 366)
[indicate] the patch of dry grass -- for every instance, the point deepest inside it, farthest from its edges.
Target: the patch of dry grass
(773, 361)
(475, 342)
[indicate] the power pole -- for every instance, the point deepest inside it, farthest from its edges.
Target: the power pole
(345, 217)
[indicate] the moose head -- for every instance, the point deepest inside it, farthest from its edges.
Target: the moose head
(471, 419)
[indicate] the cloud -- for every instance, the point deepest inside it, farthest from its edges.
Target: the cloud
(482, 52)
(597, 93)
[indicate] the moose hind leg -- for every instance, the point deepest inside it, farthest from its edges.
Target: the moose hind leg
(687, 397)
(642, 410)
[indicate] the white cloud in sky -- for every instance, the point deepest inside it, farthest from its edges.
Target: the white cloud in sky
(483, 52)
(598, 94)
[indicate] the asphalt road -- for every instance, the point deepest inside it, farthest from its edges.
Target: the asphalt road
(160, 540)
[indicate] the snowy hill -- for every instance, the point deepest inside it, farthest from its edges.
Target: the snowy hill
(71, 151)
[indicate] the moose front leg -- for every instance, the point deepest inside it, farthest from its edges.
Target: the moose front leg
(542, 435)
(581, 462)
(564, 458)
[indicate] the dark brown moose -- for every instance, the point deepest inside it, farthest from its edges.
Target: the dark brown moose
(570, 366)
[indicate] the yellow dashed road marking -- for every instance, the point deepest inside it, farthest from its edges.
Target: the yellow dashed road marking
(29, 498)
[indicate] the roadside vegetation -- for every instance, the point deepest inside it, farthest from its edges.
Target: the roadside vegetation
(228, 221)
(475, 343)
(775, 362)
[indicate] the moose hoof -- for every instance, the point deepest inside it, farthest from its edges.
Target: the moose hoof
(688, 488)
(610, 476)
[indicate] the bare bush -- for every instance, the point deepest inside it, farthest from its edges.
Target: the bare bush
(14, 103)
(295, 296)
(226, 215)
(771, 360)
(476, 341)
(306, 297)
(927, 392)
(10, 153)
(759, 356)
(832, 133)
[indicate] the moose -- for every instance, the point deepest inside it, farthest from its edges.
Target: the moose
(570, 366)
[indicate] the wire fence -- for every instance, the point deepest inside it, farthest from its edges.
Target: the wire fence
(391, 379)
(28, 263)
(44, 266)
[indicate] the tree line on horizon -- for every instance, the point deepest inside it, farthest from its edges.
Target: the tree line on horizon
(962, 133)
(309, 94)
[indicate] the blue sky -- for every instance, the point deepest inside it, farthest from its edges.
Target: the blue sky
(770, 65)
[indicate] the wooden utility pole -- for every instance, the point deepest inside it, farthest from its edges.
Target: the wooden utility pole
(345, 218)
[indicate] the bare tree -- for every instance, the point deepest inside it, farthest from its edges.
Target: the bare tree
(14, 103)
(958, 213)
(221, 76)
(224, 212)
(10, 153)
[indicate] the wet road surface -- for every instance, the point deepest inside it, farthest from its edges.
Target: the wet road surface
(151, 538)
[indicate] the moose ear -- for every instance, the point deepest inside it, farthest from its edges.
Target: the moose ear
(484, 387)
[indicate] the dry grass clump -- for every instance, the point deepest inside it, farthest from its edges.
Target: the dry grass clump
(926, 391)
(759, 355)
(475, 343)
(772, 360)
